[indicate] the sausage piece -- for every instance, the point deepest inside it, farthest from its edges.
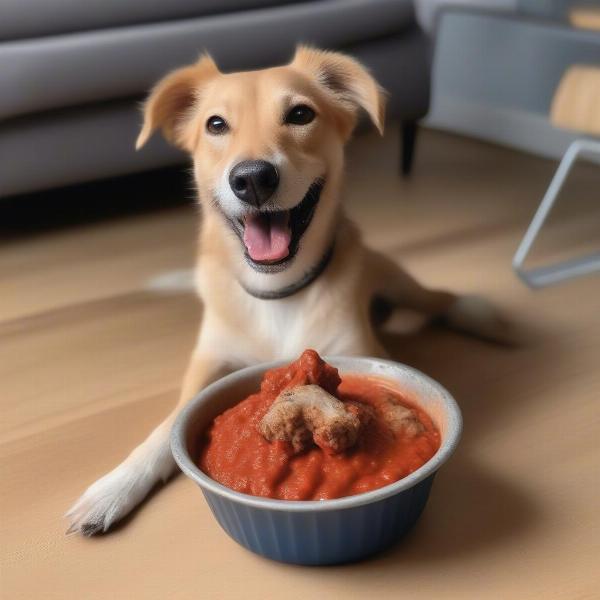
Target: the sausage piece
(306, 414)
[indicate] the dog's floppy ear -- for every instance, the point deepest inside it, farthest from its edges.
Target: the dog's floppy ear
(348, 83)
(171, 99)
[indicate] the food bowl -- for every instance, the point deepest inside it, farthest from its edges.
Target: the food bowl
(318, 532)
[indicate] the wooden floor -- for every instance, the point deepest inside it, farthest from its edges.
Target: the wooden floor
(90, 361)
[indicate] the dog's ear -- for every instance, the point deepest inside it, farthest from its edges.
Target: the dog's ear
(348, 84)
(169, 103)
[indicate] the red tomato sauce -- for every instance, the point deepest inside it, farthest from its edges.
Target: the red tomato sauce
(235, 454)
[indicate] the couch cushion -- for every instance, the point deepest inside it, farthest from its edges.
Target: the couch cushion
(38, 18)
(96, 141)
(55, 72)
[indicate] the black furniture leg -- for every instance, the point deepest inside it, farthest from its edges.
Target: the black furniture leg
(408, 136)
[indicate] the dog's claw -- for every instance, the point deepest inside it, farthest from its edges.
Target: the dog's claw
(93, 514)
(90, 529)
(113, 496)
(99, 507)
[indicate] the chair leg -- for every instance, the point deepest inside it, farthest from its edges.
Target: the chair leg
(554, 273)
(408, 139)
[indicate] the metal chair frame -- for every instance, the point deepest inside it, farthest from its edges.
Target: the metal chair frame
(555, 273)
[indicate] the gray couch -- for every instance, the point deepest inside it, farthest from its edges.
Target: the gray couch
(72, 73)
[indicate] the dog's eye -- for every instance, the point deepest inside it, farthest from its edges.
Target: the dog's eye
(300, 115)
(216, 125)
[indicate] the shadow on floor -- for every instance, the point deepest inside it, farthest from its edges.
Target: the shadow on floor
(471, 506)
(114, 198)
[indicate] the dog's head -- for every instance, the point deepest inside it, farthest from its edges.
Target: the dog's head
(267, 146)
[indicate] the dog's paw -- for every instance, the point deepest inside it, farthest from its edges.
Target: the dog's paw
(107, 501)
(476, 316)
(116, 494)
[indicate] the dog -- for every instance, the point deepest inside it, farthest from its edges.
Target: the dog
(280, 268)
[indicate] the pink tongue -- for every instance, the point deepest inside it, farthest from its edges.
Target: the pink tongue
(267, 236)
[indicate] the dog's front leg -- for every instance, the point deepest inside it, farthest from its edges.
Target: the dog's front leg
(117, 493)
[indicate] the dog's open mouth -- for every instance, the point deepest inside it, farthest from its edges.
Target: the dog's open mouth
(271, 239)
(267, 236)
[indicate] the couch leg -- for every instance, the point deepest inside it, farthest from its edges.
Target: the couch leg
(408, 139)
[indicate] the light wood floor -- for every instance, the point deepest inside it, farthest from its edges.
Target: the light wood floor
(90, 361)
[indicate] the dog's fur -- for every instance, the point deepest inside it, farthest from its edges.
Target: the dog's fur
(332, 314)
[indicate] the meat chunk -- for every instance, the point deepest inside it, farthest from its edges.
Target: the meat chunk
(307, 413)
(400, 418)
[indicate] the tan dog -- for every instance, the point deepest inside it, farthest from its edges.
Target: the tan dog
(280, 268)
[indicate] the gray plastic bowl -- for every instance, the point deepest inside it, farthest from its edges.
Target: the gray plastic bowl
(327, 531)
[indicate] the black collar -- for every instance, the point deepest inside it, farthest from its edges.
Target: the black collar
(293, 288)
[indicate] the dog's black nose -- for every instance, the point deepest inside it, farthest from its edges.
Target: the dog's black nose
(254, 181)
